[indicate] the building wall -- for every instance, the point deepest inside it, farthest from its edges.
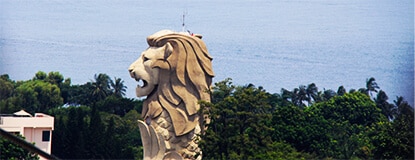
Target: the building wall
(38, 136)
(28, 132)
(17, 123)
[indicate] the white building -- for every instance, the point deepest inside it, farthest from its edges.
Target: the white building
(36, 129)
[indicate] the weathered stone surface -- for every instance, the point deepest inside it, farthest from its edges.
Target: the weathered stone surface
(175, 73)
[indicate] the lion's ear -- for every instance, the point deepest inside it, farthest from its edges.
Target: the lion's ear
(163, 64)
(168, 50)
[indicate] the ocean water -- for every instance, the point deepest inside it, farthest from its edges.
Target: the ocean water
(274, 44)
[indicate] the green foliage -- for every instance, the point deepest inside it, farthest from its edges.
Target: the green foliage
(389, 110)
(246, 122)
(6, 92)
(336, 128)
(249, 123)
(282, 151)
(85, 133)
(36, 96)
(396, 140)
(7, 88)
(40, 76)
(118, 87)
(116, 105)
(289, 123)
(356, 108)
(90, 125)
(9, 150)
(78, 94)
(240, 124)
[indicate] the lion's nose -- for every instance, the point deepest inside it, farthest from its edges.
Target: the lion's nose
(131, 68)
(131, 71)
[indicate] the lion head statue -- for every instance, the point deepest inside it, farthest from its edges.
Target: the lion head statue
(174, 73)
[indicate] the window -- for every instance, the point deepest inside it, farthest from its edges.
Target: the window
(45, 136)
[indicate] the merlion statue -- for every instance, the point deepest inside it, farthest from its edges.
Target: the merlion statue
(175, 72)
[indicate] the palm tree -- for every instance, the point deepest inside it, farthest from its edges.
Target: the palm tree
(402, 106)
(399, 100)
(286, 95)
(301, 96)
(312, 93)
(341, 91)
(100, 88)
(389, 110)
(327, 94)
(371, 86)
(118, 87)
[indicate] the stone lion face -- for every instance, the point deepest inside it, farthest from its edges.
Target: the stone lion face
(174, 73)
(144, 73)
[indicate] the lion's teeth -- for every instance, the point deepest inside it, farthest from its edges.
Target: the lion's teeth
(140, 83)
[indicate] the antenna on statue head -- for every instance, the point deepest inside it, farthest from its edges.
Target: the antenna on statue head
(183, 21)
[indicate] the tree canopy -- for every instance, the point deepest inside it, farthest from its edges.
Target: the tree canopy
(95, 121)
(246, 122)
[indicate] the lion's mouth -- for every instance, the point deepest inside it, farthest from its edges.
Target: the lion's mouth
(141, 83)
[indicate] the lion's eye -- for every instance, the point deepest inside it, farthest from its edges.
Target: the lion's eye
(145, 59)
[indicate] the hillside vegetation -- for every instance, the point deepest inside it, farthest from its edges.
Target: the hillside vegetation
(95, 121)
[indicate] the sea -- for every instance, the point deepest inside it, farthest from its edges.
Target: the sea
(270, 43)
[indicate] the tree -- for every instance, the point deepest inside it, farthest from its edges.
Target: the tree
(328, 94)
(128, 136)
(7, 90)
(301, 96)
(389, 110)
(281, 150)
(116, 105)
(298, 96)
(80, 133)
(55, 78)
(9, 150)
(96, 128)
(75, 143)
(288, 123)
(286, 95)
(371, 86)
(395, 140)
(240, 120)
(312, 93)
(118, 87)
(403, 130)
(355, 107)
(79, 94)
(7, 87)
(221, 90)
(341, 91)
(65, 90)
(27, 97)
(347, 118)
(38, 96)
(59, 136)
(111, 145)
(40, 75)
(132, 135)
(51, 77)
(246, 122)
(100, 87)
